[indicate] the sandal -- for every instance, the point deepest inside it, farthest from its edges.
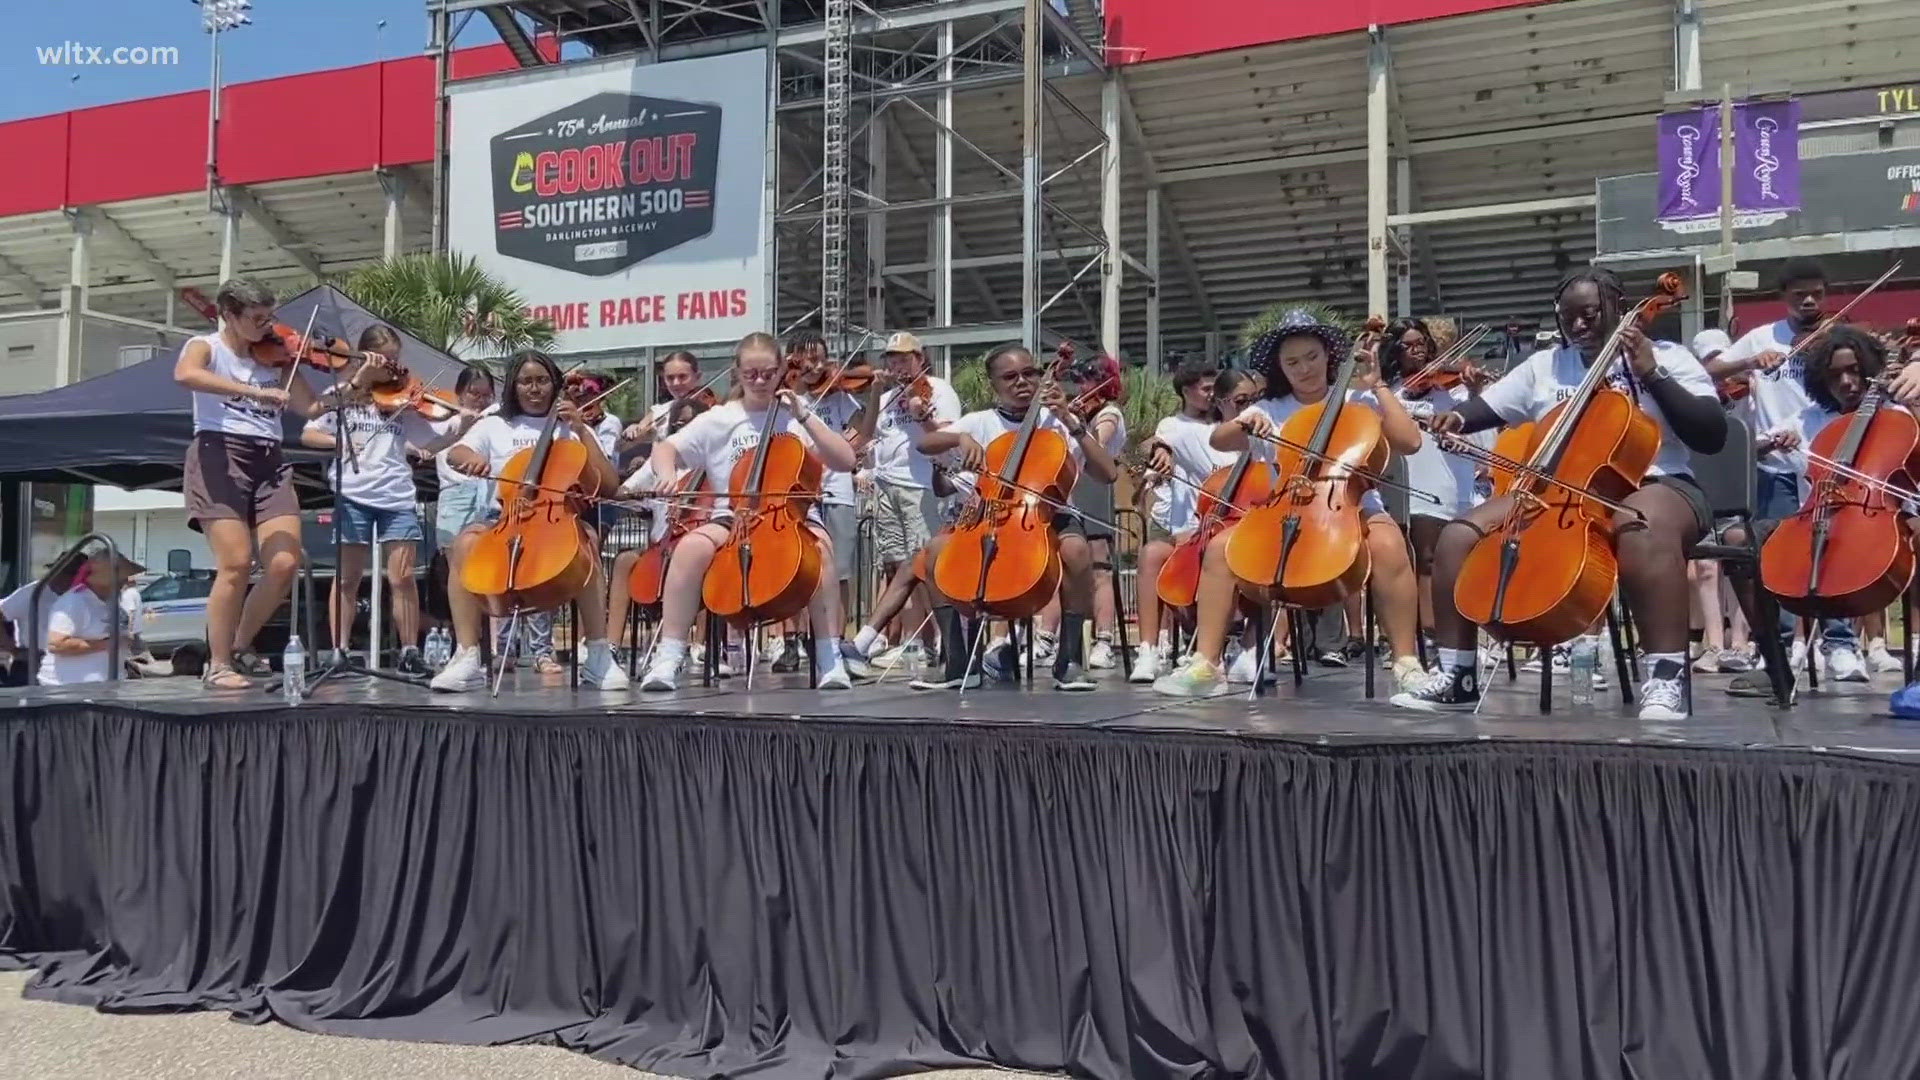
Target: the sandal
(222, 677)
(547, 665)
(248, 662)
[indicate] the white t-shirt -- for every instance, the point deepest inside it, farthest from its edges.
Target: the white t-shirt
(497, 438)
(236, 415)
(15, 608)
(1447, 477)
(1779, 398)
(657, 509)
(608, 432)
(378, 474)
(1529, 392)
(79, 614)
(837, 410)
(1194, 459)
(895, 461)
(717, 439)
(451, 478)
(1280, 410)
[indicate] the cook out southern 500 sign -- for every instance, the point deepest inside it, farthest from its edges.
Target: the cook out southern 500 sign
(624, 202)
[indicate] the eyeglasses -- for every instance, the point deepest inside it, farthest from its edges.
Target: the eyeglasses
(1022, 375)
(760, 374)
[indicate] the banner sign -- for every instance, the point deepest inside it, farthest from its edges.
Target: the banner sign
(1766, 164)
(625, 202)
(1840, 194)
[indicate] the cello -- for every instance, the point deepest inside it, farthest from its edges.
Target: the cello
(1001, 557)
(684, 514)
(1224, 494)
(770, 565)
(539, 555)
(1306, 544)
(1545, 574)
(1846, 552)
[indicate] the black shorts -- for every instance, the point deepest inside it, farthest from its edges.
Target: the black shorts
(1065, 524)
(1696, 499)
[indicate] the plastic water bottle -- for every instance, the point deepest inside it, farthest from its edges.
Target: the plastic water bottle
(1585, 659)
(293, 670)
(435, 653)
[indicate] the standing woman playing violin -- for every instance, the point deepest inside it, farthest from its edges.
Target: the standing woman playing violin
(716, 441)
(377, 494)
(533, 392)
(238, 486)
(679, 375)
(1675, 392)
(1299, 360)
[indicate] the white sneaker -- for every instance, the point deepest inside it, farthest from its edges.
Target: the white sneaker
(1044, 648)
(908, 654)
(1881, 660)
(1146, 666)
(1408, 675)
(835, 677)
(1843, 665)
(463, 673)
(857, 665)
(1196, 679)
(602, 671)
(1244, 667)
(1100, 657)
(662, 675)
(1664, 697)
(1797, 656)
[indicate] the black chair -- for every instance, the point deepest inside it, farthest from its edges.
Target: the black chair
(1728, 479)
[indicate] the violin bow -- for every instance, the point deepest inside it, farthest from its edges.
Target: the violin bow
(1365, 474)
(1456, 351)
(1134, 463)
(1848, 472)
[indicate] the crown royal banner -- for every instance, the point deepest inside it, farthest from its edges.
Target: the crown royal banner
(1766, 164)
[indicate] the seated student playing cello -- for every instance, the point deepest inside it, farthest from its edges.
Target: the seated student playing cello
(533, 392)
(1839, 368)
(1016, 380)
(1181, 453)
(715, 441)
(657, 514)
(1298, 360)
(1675, 392)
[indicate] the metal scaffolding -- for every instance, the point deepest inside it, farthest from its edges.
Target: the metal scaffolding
(902, 196)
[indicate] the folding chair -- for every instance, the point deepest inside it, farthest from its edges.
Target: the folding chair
(1728, 478)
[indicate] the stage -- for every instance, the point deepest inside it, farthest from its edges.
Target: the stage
(877, 881)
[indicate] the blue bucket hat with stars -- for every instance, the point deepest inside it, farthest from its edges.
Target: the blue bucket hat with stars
(1298, 322)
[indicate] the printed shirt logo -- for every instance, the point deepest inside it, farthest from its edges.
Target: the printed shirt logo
(606, 182)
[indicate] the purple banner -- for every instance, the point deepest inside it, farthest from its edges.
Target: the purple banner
(1766, 157)
(1689, 153)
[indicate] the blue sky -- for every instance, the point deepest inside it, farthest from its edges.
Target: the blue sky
(286, 36)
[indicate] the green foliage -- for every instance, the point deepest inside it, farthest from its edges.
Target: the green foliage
(1150, 399)
(970, 382)
(450, 303)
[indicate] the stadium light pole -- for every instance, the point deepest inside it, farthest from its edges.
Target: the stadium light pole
(217, 17)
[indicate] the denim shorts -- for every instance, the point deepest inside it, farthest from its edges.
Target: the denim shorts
(459, 507)
(357, 523)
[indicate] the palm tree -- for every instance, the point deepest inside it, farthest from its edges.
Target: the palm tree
(449, 302)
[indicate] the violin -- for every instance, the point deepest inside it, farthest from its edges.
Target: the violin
(852, 377)
(1305, 545)
(401, 389)
(1443, 375)
(1739, 387)
(539, 555)
(770, 565)
(1908, 350)
(649, 572)
(1846, 553)
(1001, 556)
(586, 391)
(284, 347)
(1549, 569)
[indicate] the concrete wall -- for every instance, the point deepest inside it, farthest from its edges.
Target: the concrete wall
(29, 349)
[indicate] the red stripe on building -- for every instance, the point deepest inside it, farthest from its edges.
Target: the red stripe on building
(322, 123)
(1139, 30)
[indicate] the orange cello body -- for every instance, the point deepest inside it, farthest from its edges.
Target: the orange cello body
(1306, 546)
(539, 556)
(1546, 575)
(1512, 444)
(649, 573)
(1002, 558)
(1226, 491)
(771, 563)
(1846, 553)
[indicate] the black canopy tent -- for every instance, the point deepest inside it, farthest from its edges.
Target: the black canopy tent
(130, 428)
